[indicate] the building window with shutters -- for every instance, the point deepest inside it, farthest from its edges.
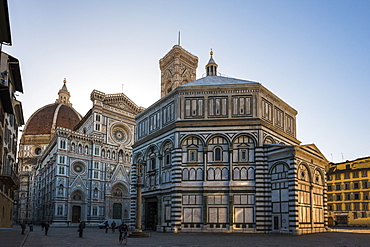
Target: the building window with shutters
(364, 174)
(356, 186)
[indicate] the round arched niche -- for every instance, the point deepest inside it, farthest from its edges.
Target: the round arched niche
(119, 191)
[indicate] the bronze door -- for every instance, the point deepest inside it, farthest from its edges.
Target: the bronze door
(76, 214)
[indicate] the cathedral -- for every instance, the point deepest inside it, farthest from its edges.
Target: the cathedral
(77, 168)
(220, 154)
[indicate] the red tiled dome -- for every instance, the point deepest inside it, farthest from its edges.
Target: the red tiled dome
(47, 118)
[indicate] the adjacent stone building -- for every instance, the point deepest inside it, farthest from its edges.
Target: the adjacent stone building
(11, 118)
(348, 192)
(221, 154)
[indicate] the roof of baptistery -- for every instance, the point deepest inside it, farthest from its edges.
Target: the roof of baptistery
(217, 80)
(59, 114)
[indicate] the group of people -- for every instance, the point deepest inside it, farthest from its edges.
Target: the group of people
(44, 225)
(123, 228)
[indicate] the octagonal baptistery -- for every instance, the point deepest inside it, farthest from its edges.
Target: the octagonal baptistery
(220, 154)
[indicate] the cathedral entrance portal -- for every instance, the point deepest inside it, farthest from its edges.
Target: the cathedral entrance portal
(117, 211)
(76, 214)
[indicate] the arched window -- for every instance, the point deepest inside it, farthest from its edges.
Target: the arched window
(303, 173)
(62, 144)
(167, 154)
(199, 174)
(103, 153)
(120, 155)
(217, 154)
(192, 146)
(185, 174)
(152, 163)
(243, 149)
(152, 159)
(236, 174)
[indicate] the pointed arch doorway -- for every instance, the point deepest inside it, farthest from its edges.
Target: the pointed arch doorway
(120, 202)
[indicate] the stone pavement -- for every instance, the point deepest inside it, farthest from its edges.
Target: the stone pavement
(11, 237)
(94, 237)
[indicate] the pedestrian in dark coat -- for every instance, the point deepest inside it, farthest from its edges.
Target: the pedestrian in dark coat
(106, 225)
(113, 226)
(23, 226)
(81, 228)
(47, 225)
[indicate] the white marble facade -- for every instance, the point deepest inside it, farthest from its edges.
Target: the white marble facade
(221, 154)
(84, 174)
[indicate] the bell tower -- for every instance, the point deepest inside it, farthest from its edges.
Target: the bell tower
(178, 67)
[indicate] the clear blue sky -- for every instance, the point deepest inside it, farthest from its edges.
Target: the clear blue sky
(315, 55)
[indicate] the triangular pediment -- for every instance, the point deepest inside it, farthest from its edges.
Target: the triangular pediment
(120, 175)
(123, 102)
(78, 184)
(119, 100)
(312, 149)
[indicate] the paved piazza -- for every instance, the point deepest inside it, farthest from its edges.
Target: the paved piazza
(97, 237)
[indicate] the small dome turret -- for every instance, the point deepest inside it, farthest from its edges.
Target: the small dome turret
(64, 95)
(211, 67)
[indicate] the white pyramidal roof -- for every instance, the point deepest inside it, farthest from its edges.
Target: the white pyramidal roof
(217, 80)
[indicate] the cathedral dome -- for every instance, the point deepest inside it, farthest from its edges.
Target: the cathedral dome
(59, 114)
(47, 118)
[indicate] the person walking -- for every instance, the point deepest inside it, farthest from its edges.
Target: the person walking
(106, 225)
(42, 226)
(123, 229)
(47, 225)
(113, 226)
(81, 228)
(23, 226)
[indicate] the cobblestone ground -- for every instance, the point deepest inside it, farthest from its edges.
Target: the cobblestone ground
(95, 237)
